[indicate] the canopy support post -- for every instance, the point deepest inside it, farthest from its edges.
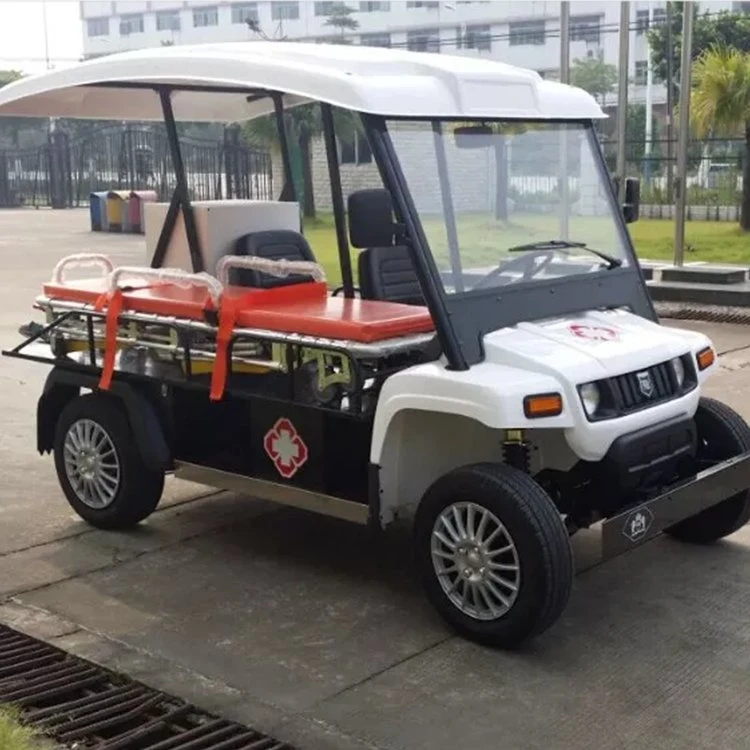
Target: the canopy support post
(448, 206)
(180, 197)
(339, 215)
(286, 155)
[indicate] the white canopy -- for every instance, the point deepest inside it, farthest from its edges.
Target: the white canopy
(367, 79)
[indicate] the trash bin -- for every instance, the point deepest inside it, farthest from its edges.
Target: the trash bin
(117, 210)
(98, 211)
(135, 208)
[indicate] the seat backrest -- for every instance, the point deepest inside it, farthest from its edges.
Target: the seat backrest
(386, 271)
(273, 244)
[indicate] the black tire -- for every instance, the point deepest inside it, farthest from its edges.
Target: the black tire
(540, 538)
(722, 433)
(138, 488)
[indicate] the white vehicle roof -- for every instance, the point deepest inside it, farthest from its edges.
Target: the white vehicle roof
(390, 82)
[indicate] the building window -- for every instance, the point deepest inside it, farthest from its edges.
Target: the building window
(417, 4)
(526, 32)
(585, 29)
(659, 17)
(477, 37)
(641, 72)
(325, 9)
(168, 20)
(375, 40)
(244, 12)
(97, 26)
(423, 40)
(131, 24)
(374, 7)
(355, 149)
(285, 11)
(641, 22)
(208, 16)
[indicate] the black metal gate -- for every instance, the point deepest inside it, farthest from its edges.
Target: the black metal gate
(63, 172)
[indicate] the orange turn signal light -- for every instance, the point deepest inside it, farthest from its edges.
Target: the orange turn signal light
(705, 358)
(542, 405)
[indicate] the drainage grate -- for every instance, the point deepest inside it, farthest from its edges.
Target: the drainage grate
(707, 313)
(81, 704)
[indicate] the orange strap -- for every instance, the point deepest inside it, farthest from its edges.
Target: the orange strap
(113, 302)
(227, 319)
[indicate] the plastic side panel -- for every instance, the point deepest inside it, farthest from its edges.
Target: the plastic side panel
(490, 394)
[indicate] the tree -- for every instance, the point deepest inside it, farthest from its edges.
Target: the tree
(595, 76)
(8, 76)
(340, 17)
(720, 104)
(723, 29)
(12, 127)
(304, 125)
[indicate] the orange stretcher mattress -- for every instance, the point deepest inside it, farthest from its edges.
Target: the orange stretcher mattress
(305, 308)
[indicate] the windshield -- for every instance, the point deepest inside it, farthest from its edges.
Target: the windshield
(509, 203)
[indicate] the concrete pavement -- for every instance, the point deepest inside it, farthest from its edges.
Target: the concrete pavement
(312, 631)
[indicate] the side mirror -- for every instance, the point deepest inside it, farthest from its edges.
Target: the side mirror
(631, 207)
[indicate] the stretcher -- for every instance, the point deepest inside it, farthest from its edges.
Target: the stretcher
(174, 298)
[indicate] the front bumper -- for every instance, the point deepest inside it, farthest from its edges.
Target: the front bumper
(645, 521)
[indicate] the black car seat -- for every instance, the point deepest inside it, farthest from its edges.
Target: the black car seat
(386, 271)
(273, 244)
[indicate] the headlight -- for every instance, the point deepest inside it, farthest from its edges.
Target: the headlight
(679, 371)
(590, 396)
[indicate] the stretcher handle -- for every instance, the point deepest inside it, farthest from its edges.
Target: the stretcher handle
(81, 260)
(266, 265)
(169, 275)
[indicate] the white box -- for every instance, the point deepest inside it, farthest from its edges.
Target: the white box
(218, 224)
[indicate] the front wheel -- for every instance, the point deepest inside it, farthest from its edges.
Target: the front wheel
(493, 553)
(722, 434)
(99, 465)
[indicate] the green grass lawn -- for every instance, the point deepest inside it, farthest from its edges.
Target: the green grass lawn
(709, 241)
(14, 736)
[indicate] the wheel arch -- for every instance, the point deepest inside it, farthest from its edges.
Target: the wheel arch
(62, 386)
(419, 446)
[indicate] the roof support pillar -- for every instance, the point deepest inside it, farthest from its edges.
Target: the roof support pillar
(180, 198)
(339, 215)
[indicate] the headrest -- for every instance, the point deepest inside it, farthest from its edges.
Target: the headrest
(371, 218)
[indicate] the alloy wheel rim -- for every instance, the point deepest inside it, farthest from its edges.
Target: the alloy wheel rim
(475, 560)
(91, 464)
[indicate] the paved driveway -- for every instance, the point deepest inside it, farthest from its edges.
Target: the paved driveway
(308, 629)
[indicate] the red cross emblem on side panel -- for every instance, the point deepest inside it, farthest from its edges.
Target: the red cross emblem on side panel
(285, 448)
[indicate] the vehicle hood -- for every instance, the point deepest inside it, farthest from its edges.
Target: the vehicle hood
(589, 346)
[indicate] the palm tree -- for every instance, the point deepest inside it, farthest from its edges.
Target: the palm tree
(720, 104)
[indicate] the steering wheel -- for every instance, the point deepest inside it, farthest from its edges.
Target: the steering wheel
(526, 263)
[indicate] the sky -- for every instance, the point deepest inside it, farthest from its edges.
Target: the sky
(22, 38)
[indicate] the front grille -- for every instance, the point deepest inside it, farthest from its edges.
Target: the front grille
(641, 389)
(634, 390)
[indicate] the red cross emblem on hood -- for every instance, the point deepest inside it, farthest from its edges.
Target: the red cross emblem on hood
(285, 448)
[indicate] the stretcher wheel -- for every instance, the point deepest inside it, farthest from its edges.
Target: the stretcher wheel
(99, 466)
(722, 434)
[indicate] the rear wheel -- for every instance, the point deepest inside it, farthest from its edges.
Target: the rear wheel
(99, 466)
(722, 434)
(493, 553)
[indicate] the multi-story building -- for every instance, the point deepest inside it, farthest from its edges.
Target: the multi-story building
(524, 33)
(520, 33)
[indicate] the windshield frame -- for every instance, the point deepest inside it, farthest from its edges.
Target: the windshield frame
(463, 318)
